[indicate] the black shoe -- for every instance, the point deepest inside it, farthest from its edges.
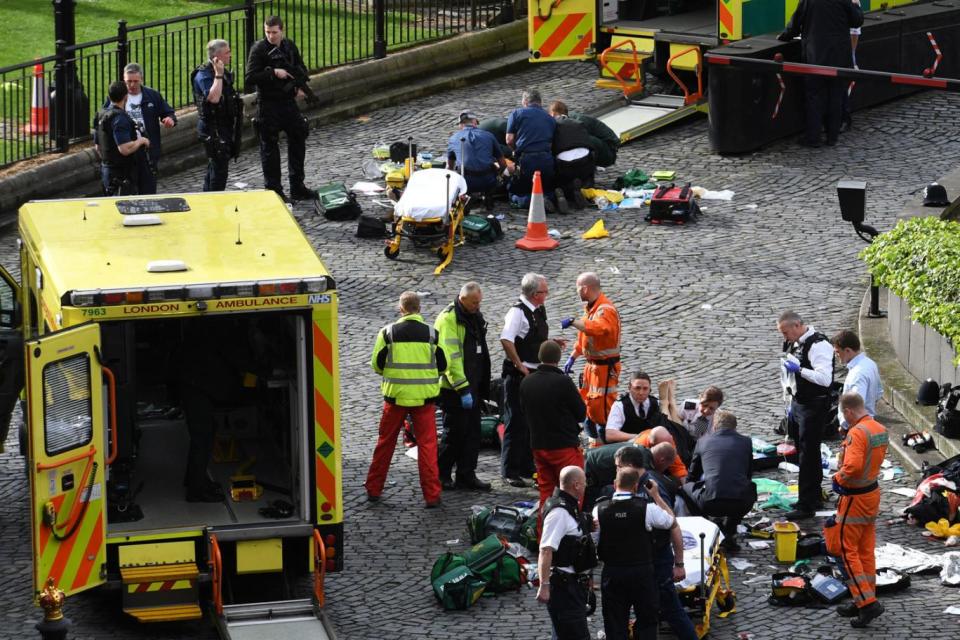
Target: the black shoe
(579, 202)
(848, 610)
(209, 493)
(488, 202)
(563, 207)
(870, 612)
(433, 504)
(372, 498)
(303, 193)
(798, 514)
(447, 483)
(813, 144)
(831, 142)
(730, 547)
(845, 125)
(472, 483)
(516, 481)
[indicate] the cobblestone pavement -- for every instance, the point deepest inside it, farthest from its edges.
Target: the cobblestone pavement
(698, 304)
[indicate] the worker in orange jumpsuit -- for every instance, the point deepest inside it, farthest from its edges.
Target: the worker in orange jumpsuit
(598, 341)
(653, 437)
(852, 536)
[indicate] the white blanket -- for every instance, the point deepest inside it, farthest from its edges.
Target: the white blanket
(692, 527)
(426, 192)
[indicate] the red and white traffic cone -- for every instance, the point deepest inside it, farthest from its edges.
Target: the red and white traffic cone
(537, 238)
(39, 105)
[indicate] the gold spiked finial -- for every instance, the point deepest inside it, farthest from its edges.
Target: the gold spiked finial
(51, 599)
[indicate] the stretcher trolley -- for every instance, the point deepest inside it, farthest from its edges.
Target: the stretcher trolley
(708, 578)
(430, 213)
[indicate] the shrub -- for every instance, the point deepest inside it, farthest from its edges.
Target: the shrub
(919, 261)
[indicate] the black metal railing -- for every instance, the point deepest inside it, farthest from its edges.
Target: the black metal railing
(328, 33)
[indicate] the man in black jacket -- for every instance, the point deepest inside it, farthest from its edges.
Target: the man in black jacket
(276, 69)
(824, 27)
(554, 410)
(719, 483)
(575, 164)
(119, 144)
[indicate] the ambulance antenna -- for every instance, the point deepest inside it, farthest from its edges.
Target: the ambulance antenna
(239, 241)
(84, 214)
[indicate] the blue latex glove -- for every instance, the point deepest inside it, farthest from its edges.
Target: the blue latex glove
(568, 367)
(566, 322)
(837, 489)
(466, 400)
(791, 366)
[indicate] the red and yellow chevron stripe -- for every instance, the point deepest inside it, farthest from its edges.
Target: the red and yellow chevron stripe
(561, 37)
(731, 19)
(164, 585)
(326, 408)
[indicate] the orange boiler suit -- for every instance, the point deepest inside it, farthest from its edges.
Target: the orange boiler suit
(853, 537)
(599, 342)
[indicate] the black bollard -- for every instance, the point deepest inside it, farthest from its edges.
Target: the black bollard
(53, 626)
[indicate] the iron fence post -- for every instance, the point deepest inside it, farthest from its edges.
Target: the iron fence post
(379, 29)
(64, 24)
(60, 98)
(121, 47)
(249, 25)
(473, 15)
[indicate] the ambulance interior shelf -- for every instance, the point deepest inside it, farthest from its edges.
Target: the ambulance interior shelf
(259, 431)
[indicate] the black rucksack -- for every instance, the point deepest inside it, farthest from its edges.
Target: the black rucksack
(948, 416)
(371, 226)
(399, 151)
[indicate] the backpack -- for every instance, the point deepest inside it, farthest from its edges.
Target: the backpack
(371, 226)
(400, 151)
(670, 203)
(790, 589)
(948, 417)
(506, 522)
(458, 588)
(482, 230)
(487, 562)
(336, 203)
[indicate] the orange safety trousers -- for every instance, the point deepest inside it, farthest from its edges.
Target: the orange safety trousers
(856, 538)
(599, 389)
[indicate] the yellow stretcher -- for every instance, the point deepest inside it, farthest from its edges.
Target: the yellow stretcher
(708, 578)
(430, 213)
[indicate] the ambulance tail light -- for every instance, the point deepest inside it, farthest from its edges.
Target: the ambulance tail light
(315, 285)
(278, 287)
(161, 294)
(113, 297)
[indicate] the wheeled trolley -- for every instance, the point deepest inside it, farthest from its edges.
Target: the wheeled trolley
(708, 578)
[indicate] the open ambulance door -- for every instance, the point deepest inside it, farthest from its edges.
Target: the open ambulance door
(561, 29)
(11, 351)
(65, 413)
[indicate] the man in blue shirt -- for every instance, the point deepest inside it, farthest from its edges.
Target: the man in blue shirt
(482, 159)
(863, 377)
(530, 132)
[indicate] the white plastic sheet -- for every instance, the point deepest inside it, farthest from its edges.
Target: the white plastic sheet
(906, 559)
(426, 195)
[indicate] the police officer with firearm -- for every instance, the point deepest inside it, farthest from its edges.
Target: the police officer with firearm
(221, 113)
(118, 144)
(276, 69)
(622, 526)
(567, 554)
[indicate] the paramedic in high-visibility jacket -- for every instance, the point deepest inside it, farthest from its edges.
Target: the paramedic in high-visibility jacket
(852, 537)
(408, 355)
(598, 341)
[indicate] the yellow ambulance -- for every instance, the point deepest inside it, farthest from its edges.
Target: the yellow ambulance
(166, 339)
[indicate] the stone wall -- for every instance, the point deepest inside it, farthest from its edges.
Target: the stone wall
(921, 350)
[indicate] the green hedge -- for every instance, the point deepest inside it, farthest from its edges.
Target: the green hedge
(919, 261)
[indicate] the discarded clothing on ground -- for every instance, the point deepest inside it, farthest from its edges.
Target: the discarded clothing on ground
(906, 559)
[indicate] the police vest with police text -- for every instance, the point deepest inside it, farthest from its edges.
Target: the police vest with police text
(624, 539)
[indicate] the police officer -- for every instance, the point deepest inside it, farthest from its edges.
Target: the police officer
(808, 357)
(567, 554)
(275, 68)
(635, 412)
(409, 358)
(482, 159)
(118, 144)
(220, 113)
(530, 132)
(462, 332)
(622, 526)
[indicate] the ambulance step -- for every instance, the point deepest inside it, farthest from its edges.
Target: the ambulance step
(282, 620)
(660, 100)
(166, 614)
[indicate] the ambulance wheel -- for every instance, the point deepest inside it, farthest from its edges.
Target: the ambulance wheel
(727, 602)
(442, 253)
(390, 252)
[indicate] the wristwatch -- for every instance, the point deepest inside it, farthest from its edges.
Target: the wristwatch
(679, 565)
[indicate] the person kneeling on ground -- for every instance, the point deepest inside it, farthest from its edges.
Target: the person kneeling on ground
(719, 484)
(654, 439)
(482, 159)
(574, 163)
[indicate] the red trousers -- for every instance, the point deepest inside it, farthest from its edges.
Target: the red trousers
(856, 535)
(424, 430)
(549, 462)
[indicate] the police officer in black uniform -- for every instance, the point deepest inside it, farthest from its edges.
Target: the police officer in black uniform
(567, 554)
(808, 356)
(221, 113)
(275, 68)
(622, 526)
(119, 145)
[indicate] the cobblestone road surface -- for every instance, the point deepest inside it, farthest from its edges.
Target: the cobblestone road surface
(698, 304)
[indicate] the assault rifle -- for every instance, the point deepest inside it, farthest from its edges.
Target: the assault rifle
(237, 126)
(145, 150)
(299, 78)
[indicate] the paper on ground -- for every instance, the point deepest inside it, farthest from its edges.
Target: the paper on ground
(740, 563)
(906, 559)
(906, 492)
(366, 188)
(759, 544)
(725, 194)
(411, 453)
(953, 610)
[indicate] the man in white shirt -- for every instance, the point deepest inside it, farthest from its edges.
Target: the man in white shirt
(808, 356)
(863, 377)
(524, 330)
(635, 411)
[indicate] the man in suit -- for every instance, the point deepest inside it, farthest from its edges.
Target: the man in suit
(719, 483)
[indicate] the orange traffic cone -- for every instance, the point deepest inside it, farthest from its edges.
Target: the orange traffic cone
(537, 238)
(39, 105)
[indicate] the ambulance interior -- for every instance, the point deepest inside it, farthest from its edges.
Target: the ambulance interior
(252, 368)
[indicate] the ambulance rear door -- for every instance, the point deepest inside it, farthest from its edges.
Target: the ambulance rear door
(65, 409)
(561, 29)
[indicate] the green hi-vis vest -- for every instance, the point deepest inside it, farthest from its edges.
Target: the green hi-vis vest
(410, 375)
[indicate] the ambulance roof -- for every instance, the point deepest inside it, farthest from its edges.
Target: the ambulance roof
(83, 243)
